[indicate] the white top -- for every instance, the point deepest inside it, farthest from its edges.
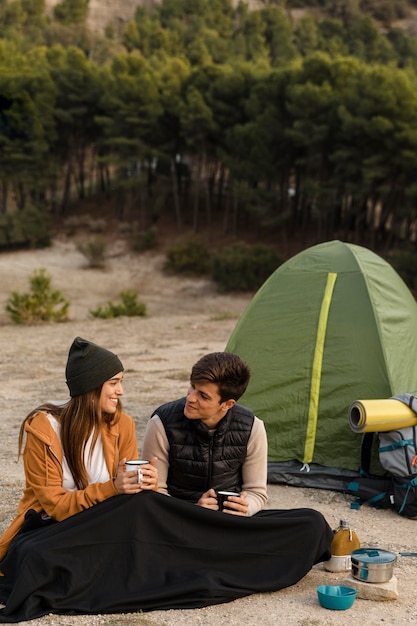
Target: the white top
(95, 463)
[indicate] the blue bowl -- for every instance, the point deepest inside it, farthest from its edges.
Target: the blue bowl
(336, 597)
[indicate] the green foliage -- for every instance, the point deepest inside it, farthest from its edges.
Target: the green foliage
(128, 307)
(94, 250)
(145, 240)
(35, 226)
(405, 263)
(26, 119)
(244, 268)
(190, 257)
(241, 94)
(29, 227)
(41, 304)
(71, 11)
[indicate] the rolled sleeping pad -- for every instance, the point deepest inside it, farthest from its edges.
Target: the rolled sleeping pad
(366, 416)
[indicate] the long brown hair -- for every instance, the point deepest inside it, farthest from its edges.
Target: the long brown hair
(79, 418)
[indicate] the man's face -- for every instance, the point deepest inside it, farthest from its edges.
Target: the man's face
(203, 403)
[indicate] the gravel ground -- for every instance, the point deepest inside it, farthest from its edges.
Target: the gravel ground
(186, 319)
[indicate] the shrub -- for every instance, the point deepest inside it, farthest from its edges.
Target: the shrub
(42, 304)
(190, 257)
(94, 250)
(129, 307)
(29, 227)
(242, 268)
(145, 240)
(35, 226)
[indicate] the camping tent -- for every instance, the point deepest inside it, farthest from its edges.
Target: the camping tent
(333, 324)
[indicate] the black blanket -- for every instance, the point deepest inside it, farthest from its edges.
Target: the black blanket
(150, 551)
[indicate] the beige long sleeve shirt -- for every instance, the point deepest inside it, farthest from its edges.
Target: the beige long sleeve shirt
(254, 469)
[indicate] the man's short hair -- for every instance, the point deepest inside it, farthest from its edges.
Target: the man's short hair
(227, 370)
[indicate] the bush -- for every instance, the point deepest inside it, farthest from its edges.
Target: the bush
(94, 250)
(189, 257)
(242, 268)
(129, 307)
(42, 304)
(35, 226)
(27, 228)
(145, 240)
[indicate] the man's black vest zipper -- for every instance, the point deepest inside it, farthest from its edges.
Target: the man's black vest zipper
(210, 461)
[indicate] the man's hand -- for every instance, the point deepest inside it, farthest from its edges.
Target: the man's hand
(236, 505)
(209, 500)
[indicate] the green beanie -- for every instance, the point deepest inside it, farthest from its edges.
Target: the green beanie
(89, 366)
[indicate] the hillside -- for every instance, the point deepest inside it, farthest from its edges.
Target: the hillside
(102, 12)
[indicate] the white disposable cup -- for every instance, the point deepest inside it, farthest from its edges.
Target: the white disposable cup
(135, 465)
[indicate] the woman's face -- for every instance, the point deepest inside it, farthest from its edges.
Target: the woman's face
(111, 391)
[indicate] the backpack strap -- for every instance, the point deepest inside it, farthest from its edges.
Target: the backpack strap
(409, 399)
(375, 492)
(407, 486)
(402, 443)
(366, 447)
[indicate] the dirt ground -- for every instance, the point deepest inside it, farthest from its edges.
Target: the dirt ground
(186, 318)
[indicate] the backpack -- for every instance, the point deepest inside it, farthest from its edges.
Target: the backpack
(398, 456)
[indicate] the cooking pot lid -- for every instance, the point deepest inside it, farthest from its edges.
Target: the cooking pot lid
(373, 555)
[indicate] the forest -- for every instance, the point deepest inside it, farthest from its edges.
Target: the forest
(211, 113)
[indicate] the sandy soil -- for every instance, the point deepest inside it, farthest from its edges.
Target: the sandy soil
(186, 318)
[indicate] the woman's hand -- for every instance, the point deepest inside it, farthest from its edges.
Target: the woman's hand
(127, 482)
(149, 475)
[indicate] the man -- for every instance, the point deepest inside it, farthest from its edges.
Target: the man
(206, 442)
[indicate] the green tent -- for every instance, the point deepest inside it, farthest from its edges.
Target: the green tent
(332, 325)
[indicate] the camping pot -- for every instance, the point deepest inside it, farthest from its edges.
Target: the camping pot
(373, 565)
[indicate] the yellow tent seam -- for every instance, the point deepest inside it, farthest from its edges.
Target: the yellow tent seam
(316, 369)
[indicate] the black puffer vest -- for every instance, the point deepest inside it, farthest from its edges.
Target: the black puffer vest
(198, 459)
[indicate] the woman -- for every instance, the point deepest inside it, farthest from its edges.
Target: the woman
(77, 547)
(75, 454)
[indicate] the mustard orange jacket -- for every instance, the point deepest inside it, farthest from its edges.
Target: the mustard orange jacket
(43, 470)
